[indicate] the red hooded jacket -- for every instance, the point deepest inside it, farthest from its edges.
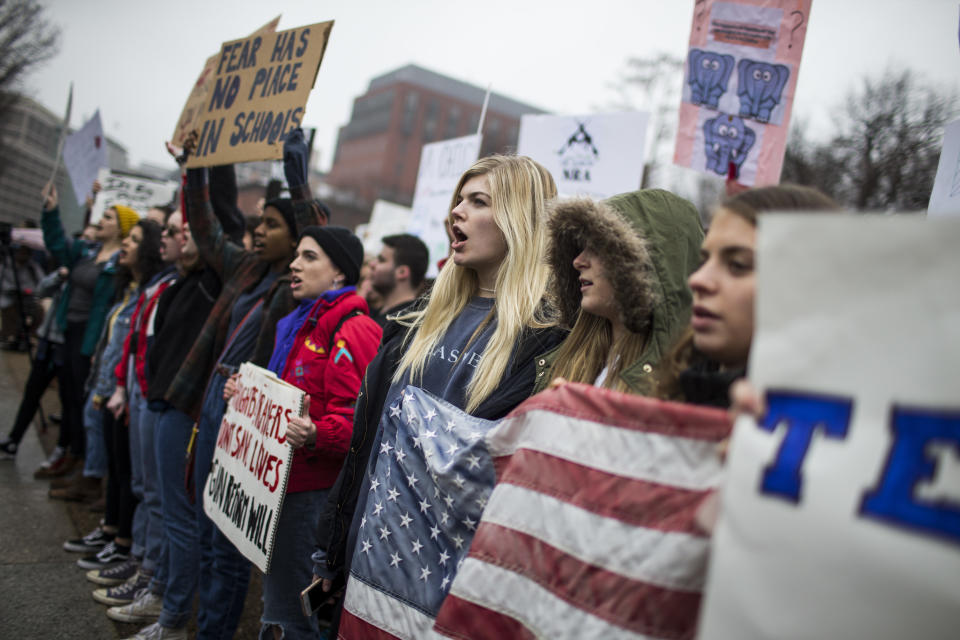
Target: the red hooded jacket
(332, 381)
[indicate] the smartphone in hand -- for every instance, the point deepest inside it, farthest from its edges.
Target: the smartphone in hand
(314, 599)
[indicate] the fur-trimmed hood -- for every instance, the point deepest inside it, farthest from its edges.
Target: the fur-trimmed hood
(649, 241)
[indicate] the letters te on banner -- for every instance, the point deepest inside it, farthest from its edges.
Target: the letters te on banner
(841, 510)
(257, 94)
(251, 463)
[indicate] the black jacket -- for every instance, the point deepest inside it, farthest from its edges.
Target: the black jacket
(181, 312)
(514, 388)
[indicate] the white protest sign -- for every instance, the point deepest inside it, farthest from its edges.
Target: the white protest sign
(84, 154)
(945, 196)
(597, 155)
(387, 219)
(840, 512)
(136, 192)
(251, 463)
(441, 165)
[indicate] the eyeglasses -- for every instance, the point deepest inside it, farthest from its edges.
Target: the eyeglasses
(170, 231)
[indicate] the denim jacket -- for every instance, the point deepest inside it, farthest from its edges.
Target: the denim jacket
(110, 348)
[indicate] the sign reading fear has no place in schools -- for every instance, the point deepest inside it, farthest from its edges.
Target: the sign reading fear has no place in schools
(257, 94)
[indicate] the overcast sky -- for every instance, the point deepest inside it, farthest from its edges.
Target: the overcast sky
(136, 61)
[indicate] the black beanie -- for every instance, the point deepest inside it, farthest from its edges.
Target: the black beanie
(342, 247)
(285, 207)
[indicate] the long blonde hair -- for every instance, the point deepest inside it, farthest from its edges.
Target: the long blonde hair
(585, 352)
(519, 191)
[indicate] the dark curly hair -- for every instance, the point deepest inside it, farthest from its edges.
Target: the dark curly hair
(149, 262)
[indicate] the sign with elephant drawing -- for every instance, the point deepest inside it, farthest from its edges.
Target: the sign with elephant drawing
(739, 80)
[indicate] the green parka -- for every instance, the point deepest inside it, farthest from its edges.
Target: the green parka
(650, 243)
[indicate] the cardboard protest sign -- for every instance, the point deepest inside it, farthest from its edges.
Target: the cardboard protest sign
(387, 218)
(137, 192)
(257, 94)
(193, 108)
(251, 463)
(441, 165)
(945, 196)
(596, 155)
(840, 511)
(739, 82)
(84, 154)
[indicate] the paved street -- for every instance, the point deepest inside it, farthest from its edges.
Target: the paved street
(43, 593)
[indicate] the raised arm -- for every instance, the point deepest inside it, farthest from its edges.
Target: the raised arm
(295, 156)
(212, 243)
(223, 197)
(53, 235)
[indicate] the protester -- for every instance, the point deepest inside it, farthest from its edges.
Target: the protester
(620, 269)
(397, 274)
(81, 311)
(139, 260)
(46, 362)
(323, 347)
(713, 352)
(181, 313)
(255, 294)
(488, 306)
(19, 311)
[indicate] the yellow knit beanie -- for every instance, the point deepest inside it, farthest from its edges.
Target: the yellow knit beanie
(126, 218)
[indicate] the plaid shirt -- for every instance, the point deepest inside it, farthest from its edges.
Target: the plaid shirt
(238, 270)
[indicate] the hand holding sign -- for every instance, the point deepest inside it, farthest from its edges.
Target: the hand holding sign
(301, 430)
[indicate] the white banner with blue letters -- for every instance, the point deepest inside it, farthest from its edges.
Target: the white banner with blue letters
(840, 512)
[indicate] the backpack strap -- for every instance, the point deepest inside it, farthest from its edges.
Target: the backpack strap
(343, 320)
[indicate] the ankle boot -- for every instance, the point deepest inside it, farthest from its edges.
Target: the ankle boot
(83, 490)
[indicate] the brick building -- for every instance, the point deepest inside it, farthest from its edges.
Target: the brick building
(378, 151)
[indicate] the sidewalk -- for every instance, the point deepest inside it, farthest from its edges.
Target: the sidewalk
(43, 594)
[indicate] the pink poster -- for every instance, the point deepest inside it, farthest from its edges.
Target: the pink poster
(739, 81)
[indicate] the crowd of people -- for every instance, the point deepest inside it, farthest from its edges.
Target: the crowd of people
(152, 320)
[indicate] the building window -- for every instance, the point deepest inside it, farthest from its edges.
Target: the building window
(453, 122)
(371, 115)
(410, 104)
(430, 119)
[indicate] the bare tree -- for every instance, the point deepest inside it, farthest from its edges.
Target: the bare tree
(27, 40)
(886, 147)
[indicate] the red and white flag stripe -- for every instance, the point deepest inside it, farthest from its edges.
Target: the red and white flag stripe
(589, 532)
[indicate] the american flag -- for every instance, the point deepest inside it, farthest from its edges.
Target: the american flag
(590, 531)
(432, 479)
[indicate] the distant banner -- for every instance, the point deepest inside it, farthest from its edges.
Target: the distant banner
(251, 463)
(739, 82)
(441, 165)
(387, 218)
(84, 154)
(840, 511)
(193, 109)
(257, 94)
(945, 197)
(137, 192)
(597, 155)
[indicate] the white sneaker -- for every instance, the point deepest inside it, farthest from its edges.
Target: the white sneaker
(145, 607)
(158, 632)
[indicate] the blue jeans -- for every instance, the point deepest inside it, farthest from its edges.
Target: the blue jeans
(171, 437)
(95, 464)
(291, 570)
(224, 572)
(145, 480)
